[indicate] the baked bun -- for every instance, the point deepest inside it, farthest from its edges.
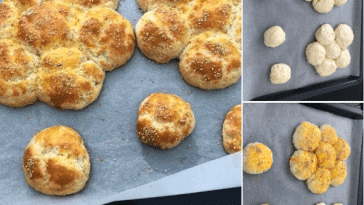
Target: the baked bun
(307, 136)
(342, 149)
(164, 120)
(162, 34)
(211, 61)
(87, 4)
(107, 37)
(338, 173)
(328, 134)
(148, 5)
(235, 29)
(302, 164)
(56, 161)
(67, 80)
(231, 130)
(8, 20)
(257, 158)
(212, 15)
(326, 155)
(18, 69)
(45, 26)
(319, 181)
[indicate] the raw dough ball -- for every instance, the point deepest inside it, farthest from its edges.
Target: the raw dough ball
(323, 6)
(302, 164)
(280, 73)
(325, 34)
(319, 181)
(257, 158)
(307, 136)
(326, 155)
(326, 68)
(342, 149)
(315, 53)
(328, 134)
(274, 36)
(344, 35)
(340, 2)
(338, 173)
(344, 59)
(333, 50)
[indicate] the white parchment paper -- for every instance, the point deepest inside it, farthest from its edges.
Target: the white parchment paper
(274, 125)
(299, 21)
(108, 127)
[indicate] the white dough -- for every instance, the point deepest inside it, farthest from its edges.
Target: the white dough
(340, 2)
(326, 68)
(274, 36)
(332, 51)
(325, 35)
(280, 73)
(344, 35)
(315, 53)
(323, 6)
(344, 59)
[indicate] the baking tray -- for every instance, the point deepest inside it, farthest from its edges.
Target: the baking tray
(278, 185)
(256, 84)
(120, 163)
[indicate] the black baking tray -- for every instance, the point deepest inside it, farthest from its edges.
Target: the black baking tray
(300, 94)
(352, 113)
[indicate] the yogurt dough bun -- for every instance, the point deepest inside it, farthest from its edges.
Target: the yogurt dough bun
(307, 137)
(164, 120)
(342, 149)
(344, 59)
(319, 181)
(315, 53)
(274, 36)
(56, 161)
(344, 35)
(326, 68)
(326, 155)
(328, 134)
(323, 6)
(257, 158)
(338, 173)
(231, 131)
(302, 164)
(325, 35)
(280, 73)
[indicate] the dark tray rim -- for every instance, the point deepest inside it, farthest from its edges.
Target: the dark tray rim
(300, 94)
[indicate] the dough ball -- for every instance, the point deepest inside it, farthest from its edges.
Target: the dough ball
(231, 130)
(337, 204)
(257, 158)
(340, 2)
(315, 53)
(321, 203)
(338, 173)
(56, 161)
(280, 73)
(274, 36)
(319, 181)
(333, 50)
(302, 164)
(164, 120)
(307, 136)
(323, 6)
(328, 134)
(211, 61)
(344, 35)
(162, 34)
(344, 59)
(326, 68)
(326, 155)
(325, 35)
(342, 149)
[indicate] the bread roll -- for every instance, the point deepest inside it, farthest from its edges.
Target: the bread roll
(307, 136)
(231, 131)
(257, 158)
(9, 15)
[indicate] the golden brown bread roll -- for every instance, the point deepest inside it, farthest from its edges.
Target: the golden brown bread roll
(162, 34)
(164, 120)
(148, 5)
(107, 37)
(86, 4)
(67, 80)
(231, 131)
(22, 5)
(8, 20)
(18, 70)
(56, 161)
(211, 61)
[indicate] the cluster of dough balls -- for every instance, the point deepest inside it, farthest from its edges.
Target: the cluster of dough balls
(257, 158)
(325, 6)
(319, 158)
(330, 51)
(58, 51)
(204, 35)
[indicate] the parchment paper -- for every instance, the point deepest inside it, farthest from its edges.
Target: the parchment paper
(274, 125)
(108, 127)
(299, 21)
